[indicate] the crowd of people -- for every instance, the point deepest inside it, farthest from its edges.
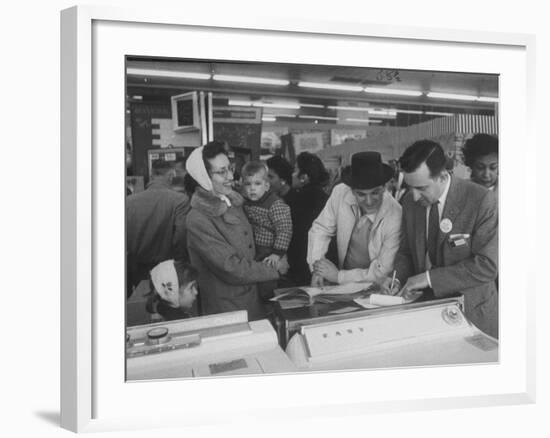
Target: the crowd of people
(232, 240)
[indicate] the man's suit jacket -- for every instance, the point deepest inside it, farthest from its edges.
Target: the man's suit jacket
(470, 267)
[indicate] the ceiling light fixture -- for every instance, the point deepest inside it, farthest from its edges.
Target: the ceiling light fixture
(369, 121)
(350, 108)
(250, 80)
(311, 105)
(436, 113)
(382, 112)
(487, 99)
(280, 115)
(317, 117)
(268, 118)
(167, 73)
(451, 96)
(276, 105)
(281, 105)
(409, 111)
(239, 102)
(392, 91)
(328, 86)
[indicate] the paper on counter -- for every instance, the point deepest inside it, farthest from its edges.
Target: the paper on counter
(386, 300)
(341, 289)
(379, 300)
(365, 302)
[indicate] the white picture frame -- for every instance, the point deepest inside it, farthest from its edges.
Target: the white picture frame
(93, 395)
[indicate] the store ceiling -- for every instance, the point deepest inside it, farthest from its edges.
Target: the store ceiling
(152, 87)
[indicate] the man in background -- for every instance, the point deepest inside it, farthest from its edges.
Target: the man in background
(155, 225)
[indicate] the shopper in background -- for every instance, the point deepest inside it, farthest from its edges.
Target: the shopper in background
(481, 156)
(309, 201)
(366, 221)
(155, 225)
(220, 239)
(280, 178)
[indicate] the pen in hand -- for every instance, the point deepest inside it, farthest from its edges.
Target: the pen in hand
(392, 282)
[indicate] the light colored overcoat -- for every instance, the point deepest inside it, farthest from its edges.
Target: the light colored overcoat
(338, 219)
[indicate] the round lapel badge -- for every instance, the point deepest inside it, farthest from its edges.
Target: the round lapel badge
(446, 225)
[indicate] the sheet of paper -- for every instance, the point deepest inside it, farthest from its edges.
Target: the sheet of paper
(386, 300)
(365, 302)
(341, 289)
(380, 300)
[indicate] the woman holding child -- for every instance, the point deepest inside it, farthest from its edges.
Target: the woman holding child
(220, 238)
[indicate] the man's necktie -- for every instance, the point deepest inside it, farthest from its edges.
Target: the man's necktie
(433, 231)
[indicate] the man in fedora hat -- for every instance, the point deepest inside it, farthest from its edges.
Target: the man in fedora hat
(449, 239)
(366, 221)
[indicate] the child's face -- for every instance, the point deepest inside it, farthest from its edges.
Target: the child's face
(187, 295)
(255, 186)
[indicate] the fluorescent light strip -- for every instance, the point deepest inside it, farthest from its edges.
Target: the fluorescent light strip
(239, 102)
(350, 108)
(435, 113)
(327, 86)
(451, 96)
(409, 111)
(268, 119)
(280, 115)
(318, 117)
(311, 105)
(382, 112)
(264, 105)
(277, 105)
(364, 121)
(250, 80)
(392, 91)
(487, 99)
(167, 73)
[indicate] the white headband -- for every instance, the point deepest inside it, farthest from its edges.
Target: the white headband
(195, 166)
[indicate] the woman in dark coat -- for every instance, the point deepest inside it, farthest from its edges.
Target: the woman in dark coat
(220, 240)
(305, 205)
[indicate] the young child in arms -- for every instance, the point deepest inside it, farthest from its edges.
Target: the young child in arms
(269, 216)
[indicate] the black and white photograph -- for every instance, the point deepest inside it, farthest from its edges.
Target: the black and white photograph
(292, 223)
(285, 218)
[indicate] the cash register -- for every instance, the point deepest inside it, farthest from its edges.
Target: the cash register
(213, 345)
(417, 334)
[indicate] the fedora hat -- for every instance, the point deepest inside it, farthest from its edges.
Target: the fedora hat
(368, 171)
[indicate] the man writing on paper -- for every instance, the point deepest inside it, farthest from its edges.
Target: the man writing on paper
(366, 221)
(449, 240)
